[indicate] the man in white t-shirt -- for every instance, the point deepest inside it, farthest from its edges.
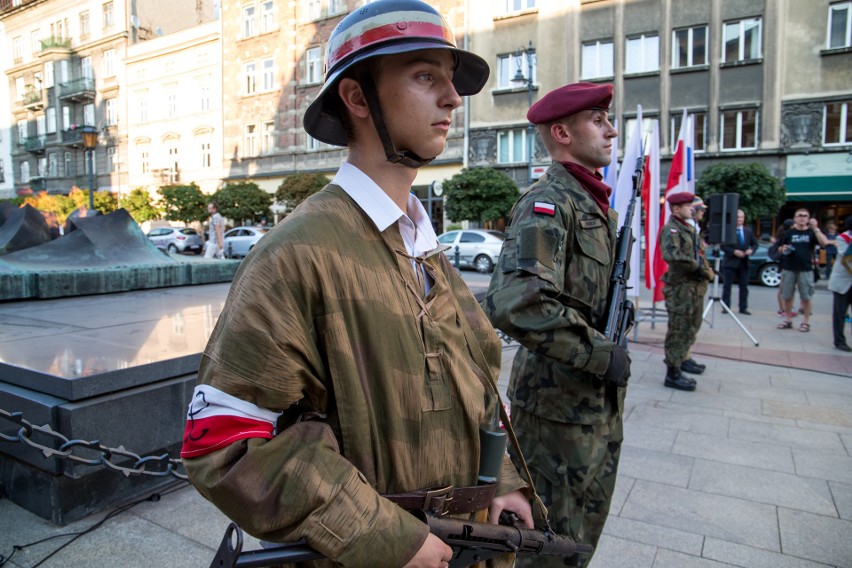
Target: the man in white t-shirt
(216, 239)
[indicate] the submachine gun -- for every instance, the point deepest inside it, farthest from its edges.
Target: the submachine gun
(471, 542)
(620, 311)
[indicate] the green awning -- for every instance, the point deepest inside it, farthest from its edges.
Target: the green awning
(827, 188)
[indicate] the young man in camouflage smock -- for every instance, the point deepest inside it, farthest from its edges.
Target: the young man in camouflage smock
(685, 284)
(351, 368)
(549, 292)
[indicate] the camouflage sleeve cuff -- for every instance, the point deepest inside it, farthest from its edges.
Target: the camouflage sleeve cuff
(599, 357)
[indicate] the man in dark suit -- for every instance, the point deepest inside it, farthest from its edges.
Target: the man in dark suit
(735, 263)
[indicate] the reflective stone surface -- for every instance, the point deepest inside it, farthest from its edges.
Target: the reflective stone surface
(84, 346)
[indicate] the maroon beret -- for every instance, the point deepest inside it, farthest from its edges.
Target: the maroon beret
(680, 198)
(569, 100)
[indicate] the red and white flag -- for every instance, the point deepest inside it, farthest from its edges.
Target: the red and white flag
(651, 204)
(623, 192)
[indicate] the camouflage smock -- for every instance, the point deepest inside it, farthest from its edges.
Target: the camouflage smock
(325, 320)
(549, 292)
(681, 249)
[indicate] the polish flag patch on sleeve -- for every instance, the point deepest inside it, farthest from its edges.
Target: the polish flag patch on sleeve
(544, 208)
(216, 419)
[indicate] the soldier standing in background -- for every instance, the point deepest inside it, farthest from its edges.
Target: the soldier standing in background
(698, 210)
(679, 244)
(549, 292)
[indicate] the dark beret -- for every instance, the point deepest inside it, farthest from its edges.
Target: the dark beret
(569, 100)
(680, 198)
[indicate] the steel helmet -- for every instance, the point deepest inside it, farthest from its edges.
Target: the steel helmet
(385, 27)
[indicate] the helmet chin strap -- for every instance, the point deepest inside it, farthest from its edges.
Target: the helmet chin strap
(404, 157)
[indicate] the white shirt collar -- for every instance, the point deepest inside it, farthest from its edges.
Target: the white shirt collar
(379, 207)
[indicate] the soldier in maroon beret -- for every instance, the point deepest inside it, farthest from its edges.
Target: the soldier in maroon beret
(549, 292)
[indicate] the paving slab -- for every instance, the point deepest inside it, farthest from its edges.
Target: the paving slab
(718, 401)
(616, 552)
(808, 413)
(763, 391)
(762, 486)
(749, 557)
(679, 420)
(816, 537)
(726, 518)
(647, 533)
(671, 559)
(822, 465)
(737, 452)
(649, 437)
(651, 465)
(751, 431)
(842, 493)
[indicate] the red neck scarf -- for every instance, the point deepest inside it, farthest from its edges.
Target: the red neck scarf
(591, 182)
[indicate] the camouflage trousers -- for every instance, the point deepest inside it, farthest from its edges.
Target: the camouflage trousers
(684, 304)
(573, 467)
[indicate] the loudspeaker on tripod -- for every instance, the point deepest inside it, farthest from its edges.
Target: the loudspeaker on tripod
(722, 218)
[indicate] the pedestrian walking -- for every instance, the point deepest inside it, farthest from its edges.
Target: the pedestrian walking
(840, 284)
(215, 246)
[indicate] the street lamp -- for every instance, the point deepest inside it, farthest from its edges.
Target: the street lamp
(520, 80)
(89, 134)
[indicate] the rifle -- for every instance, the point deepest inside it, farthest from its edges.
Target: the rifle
(620, 311)
(471, 542)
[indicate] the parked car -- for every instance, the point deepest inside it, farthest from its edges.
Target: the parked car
(176, 239)
(762, 269)
(240, 240)
(478, 248)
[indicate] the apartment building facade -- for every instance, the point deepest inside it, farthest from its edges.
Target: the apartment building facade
(174, 114)
(67, 72)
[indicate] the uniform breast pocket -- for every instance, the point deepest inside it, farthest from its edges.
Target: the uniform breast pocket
(587, 275)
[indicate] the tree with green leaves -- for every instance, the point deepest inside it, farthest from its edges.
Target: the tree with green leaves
(243, 201)
(479, 194)
(139, 205)
(183, 203)
(105, 202)
(761, 194)
(298, 187)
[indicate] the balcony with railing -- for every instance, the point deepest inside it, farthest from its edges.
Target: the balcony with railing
(34, 144)
(74, 136)
(81, 89)
(9, 5)
(33, 99)
(54, 42)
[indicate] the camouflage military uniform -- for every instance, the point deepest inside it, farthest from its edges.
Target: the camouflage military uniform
(326, 323)
(549, 292)
(684, 289)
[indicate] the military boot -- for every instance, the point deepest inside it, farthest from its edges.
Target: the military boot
(690, 366)
(676, 380)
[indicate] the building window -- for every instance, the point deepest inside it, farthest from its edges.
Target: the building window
(173, 164)
(642, 54)
(510, 6)
(68, 170)
(336, 7)
(48, 75)
(313, 65)
(111, 111)
(312, 143)
(250, 140)
(35, 38)
(689, 47)
(206, 154)
(2, 171)
(109, 63)
(700, 130)
(597, 59)
(53, 165)
(839, 25)
(22, 131)
(741, 40)
(508, 66)
(112, 159)
(50, 114)
(249, 78)
(142, 108)
(20, 88)
(837, 124)
(89, 114)
(171, 101)
(109, 15)
(512, 146)
(63, 71)
(268, 137)
(204, 101)
(313, 10)
(86, 68)
(40, 126)
(268, 76)
(18, 49)
(66, 118)
(84, 24)
(249, 15)
(739, 129)
(25, 171)
(41, 167)
(267, 16)
(144, 160)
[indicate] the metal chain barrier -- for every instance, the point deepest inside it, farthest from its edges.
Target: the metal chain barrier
(98, 454)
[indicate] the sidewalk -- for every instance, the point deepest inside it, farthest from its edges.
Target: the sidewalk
(753, 469)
